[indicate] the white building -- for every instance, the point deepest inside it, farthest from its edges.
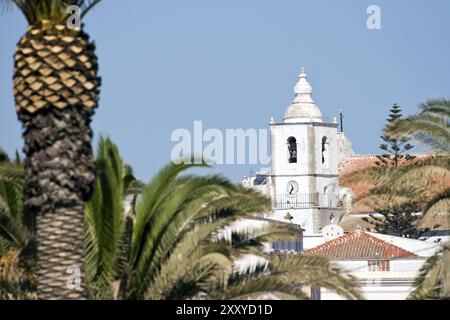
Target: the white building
(308, 154)
(385, 265)
(303, 181)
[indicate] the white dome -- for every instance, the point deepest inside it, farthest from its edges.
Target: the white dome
(303, 108)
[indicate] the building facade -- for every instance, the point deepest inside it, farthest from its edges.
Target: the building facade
(303, 180)
(386, 266)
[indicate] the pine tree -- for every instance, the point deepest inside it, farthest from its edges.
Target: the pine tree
(394, 149)
(397, 220)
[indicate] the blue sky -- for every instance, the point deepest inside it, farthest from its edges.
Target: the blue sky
(233, 64)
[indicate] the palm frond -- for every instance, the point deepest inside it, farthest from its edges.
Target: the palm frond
(264, 287)
(430, 127)
(105, 218)
(316, 272)
(427, 284)
(183, 259)
(439, 203)
(287, 275)
(161, 238)
(154, 195)
(437, 106)
(4, 158)
(14, 225)
(12, 174)
(55, 10)
(15, 282)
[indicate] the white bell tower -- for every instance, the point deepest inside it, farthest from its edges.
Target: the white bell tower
(304, 174)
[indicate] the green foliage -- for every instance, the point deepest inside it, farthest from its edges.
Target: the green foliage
(3, 156)
(104, 216)
(168, 241)
(397, 220)
(394, 149)
(420, 186)
(15, 220)
(428, 283)
(401, 191)
(433, 280)
(288, 275)
(173, 238)
(418, 181)
(16, 234)
(430, 127)
(54, 10)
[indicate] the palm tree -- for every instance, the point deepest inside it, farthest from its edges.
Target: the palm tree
(423, 181)
(16, 278)
(194, 256)
(56, 90)
(426, 182)
(430, 280)
(176, 241)
(431, 126)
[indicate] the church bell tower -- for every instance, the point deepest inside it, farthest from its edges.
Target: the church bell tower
(304, 173)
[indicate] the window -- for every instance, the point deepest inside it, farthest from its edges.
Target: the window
(292, 148)
(260, 180)
(378, 265)
(324, 148)
(288, 245)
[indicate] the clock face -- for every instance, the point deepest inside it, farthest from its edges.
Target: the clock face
(292, 188)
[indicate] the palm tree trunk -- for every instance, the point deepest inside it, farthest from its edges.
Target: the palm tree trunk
(56, 90)
(59, 175)
(59, 252)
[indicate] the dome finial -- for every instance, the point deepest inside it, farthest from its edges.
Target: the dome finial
(303, 73)
(302, 87)
(303, 107)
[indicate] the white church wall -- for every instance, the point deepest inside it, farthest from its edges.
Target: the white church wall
(314, 198)
(344, 146)
(301, 217)
(281, 183)
(329, 216)
(280, 152)
(327, 185)
(330, 165)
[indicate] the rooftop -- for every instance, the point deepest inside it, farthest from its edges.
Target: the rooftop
(358, 245)
(352, 164)
(355, 163)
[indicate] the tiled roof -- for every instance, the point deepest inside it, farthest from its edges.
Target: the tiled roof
(355, 163)
(351, 164)
(359, 162)
(358, 245)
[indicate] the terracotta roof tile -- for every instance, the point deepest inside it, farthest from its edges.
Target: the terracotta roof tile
(355, 163)
(352, 164)
(359, 162)
(358, 245)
